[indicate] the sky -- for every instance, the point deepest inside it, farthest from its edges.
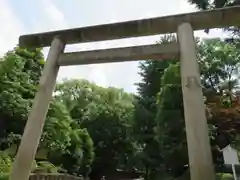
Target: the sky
(18, 17)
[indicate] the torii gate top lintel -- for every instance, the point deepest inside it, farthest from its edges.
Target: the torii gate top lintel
(217, 18)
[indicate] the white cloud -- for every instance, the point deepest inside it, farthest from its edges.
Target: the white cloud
(53, 17)
(10, 29)
(50, 18)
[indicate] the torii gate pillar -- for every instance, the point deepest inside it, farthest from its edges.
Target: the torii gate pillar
(199, 151)
(33, 130)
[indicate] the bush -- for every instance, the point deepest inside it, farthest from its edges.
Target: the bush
(224, 176)
(46, 167)
(4, 176)
(5, 163)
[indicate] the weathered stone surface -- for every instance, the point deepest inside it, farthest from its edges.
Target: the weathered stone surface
(217, 18)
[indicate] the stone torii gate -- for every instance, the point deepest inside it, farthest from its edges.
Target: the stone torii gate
(200, 158)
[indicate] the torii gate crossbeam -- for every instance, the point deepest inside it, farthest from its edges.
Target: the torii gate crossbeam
(200, 158)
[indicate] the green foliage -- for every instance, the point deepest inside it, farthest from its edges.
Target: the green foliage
(60, 119)
(107, 115)
(5, 162)
(4, 177)
(207, 4)
(46, 167)
(20, 70)
(151, 73)
(219, 62)
(224, 176)
(149, 157)
(170, 122)
(70, 141)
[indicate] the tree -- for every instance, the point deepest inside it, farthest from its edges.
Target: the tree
(207, 4)
(20, 70)
(65, 142)
(170, 123)
(107, 115)
(145, 112)
(219, 62)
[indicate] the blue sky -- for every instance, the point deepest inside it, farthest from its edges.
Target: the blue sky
(19, 17)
